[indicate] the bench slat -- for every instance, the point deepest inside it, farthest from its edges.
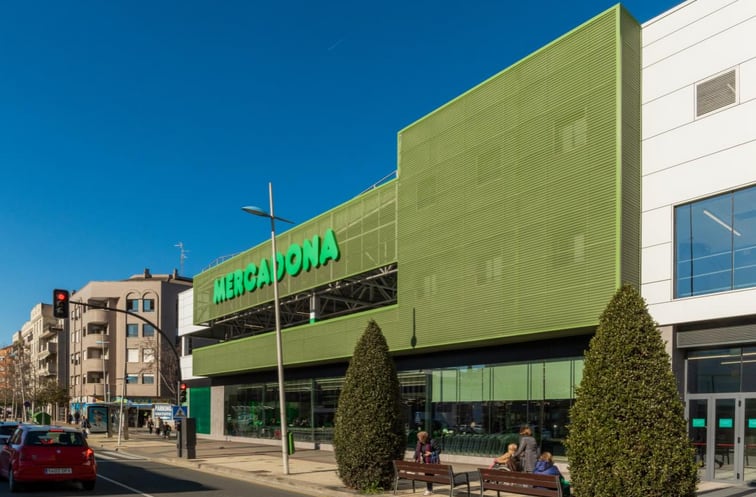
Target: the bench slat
(435, 473)
(519, 483)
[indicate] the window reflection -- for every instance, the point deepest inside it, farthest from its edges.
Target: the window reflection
(715, 244)
(714, 371)
(489, 402)
(749, 369)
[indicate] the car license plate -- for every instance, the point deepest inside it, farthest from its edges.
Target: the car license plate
(57, 471)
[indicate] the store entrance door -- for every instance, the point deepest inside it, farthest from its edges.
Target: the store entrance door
(723, 430)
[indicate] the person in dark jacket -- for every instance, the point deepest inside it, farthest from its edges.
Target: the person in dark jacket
(527, 452)
(426, 451)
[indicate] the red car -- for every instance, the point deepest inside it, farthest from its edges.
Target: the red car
(38, 453)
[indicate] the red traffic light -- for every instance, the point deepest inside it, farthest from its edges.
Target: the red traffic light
(183, 386)
(60, 303)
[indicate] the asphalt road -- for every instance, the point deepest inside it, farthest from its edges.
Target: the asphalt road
(122, 475)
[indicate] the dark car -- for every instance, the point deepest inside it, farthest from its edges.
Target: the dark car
(7, 428)
(43, 453)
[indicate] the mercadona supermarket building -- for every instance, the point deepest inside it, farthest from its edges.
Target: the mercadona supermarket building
(514, 216)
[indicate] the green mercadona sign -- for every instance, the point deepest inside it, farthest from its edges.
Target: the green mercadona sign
(310, 254)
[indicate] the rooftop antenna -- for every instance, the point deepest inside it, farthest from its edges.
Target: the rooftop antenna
(182, 257)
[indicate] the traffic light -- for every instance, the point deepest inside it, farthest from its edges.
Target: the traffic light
(182, 393)
(60, 303)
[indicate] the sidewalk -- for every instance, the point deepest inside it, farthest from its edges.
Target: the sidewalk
(311, 471)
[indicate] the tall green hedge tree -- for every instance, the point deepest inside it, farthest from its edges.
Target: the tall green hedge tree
(369, 433)
(627, 434)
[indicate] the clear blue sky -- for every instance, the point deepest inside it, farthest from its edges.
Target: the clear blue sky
(129, 126)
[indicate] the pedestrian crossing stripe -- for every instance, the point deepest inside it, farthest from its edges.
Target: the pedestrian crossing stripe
(115, 456)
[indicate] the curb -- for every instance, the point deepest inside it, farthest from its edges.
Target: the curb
(260, 477)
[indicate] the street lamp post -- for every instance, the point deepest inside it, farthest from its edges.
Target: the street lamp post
(276, 305)
(105, 396)
(122, 430)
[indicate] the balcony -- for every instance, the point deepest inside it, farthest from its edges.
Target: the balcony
(51, 331)
(95, 340)
(50, 349)
(96, 390)
(93, 364)
(95, 316)
(48, 370)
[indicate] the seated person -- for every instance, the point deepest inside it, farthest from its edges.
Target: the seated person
(507, 461)
(545, 466)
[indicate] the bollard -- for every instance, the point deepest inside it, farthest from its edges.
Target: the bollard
(188, 436)
(290, 443)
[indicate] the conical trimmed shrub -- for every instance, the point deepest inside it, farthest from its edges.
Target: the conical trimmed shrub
(627, 433)
(369, 433)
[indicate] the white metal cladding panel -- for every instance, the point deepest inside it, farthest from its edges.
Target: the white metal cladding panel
(678, 17)
(718, 131)
(657, 292)
(700, 61)
(704, 20)
(747, 88)
(708, 175)
(659, 223)
(657, 263)
(714, 306)
(669, 112)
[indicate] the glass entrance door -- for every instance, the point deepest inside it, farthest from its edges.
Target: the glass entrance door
(724, 439)
(723, 432)
(749, 439)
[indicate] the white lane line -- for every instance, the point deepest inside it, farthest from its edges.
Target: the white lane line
(124, 486)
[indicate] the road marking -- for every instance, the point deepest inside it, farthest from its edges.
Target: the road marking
(131, 489)
(116, 456)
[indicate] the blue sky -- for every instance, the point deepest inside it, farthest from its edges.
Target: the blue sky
(129, 126)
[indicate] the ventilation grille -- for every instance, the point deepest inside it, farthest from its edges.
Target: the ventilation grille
(716, 93)
(730, 335)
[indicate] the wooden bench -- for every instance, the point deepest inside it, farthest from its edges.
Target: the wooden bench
(435, 473)
(515, 482)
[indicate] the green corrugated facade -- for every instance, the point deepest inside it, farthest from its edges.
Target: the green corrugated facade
(515, 214)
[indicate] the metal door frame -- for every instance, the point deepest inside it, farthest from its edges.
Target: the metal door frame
(738, 462)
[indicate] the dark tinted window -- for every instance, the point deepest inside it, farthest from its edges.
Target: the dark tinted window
(54, 437)
(7, 429)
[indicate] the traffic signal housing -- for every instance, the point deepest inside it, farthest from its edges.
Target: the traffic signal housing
(182, 393)
(60, 303)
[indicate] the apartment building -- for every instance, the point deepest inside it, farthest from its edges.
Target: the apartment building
(8, 398)
(125, 330)
(37, 363)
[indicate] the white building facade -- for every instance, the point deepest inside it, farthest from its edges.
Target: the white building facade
(699, 218)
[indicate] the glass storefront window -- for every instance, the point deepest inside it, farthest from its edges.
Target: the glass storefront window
(714, 371)
(749, 369)
(715, 242)
(487, 402)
